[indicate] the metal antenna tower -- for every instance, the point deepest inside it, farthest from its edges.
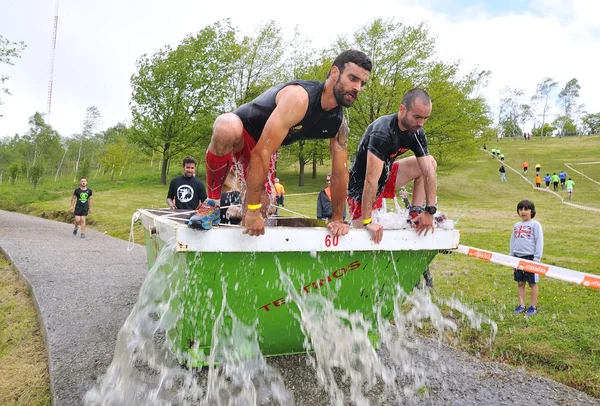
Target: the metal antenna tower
(49, 102)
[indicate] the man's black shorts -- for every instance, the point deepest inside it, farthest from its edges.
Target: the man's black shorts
(81, 211)
(524, 276)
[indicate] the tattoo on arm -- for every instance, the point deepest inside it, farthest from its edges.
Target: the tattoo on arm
(342, 135)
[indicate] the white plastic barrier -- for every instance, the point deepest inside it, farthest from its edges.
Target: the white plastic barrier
(551, 271)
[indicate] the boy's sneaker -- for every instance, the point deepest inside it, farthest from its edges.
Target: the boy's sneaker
(75, 232)
(519, 309)
(207, 216)
(531, 311)
(82, 235)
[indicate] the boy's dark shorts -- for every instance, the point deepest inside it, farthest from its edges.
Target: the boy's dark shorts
(81, 212)
(524, 276)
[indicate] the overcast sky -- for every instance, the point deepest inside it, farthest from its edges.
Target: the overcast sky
(98, 42)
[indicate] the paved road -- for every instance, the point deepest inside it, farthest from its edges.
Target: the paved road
(85, 289)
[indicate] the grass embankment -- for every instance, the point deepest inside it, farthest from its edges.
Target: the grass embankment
(23, 360)
(559, 342)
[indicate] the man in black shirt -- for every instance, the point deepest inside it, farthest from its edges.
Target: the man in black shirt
(376, 175)
(186, 191)
(82, 198)
(286, 113)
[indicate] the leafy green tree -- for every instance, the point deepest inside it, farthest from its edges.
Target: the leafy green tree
(36, 173)
(460, 116)
(42, 139)
(540, 131)
(116, 156)
(400, 54)
(565, 125)
(85, 168)
(258, 65)
(568, 96)
(403, 58)
(8, 52)
(90, 125)
(543, 92)
(178, 92)
(525, 114)
(508, 115)
(303, 62)
(591, 122)
(13, 172)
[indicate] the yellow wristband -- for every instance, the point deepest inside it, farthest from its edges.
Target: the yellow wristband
(366, 221)
(254, 206)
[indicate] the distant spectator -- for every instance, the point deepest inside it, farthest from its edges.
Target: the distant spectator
(324, 210)
(279, 193)
(527, 242)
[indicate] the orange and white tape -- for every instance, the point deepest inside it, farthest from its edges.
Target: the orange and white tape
(551, 271)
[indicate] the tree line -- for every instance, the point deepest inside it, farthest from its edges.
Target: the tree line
(570, 118)
(177, 92)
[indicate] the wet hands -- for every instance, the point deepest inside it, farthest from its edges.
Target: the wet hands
(254, 223)
(376, 231)
(338, 228)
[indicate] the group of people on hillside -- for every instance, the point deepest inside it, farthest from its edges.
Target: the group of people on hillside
(553, 179)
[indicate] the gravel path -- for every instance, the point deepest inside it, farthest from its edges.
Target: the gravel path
(84, 290)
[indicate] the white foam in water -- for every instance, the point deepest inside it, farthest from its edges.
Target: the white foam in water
(341, 343)
(397, 219)
(145, 371)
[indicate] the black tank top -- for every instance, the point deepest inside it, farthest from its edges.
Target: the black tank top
(316, 124)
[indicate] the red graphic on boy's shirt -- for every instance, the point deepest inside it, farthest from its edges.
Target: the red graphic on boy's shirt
(523, 232)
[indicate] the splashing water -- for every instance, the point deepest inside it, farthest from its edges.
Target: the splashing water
(145, 371)
(355, 359)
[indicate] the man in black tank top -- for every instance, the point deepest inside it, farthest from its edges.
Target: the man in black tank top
(286, 113)
(374, 174)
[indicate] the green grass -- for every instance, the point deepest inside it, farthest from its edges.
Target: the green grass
(23, 359)
(560, 342)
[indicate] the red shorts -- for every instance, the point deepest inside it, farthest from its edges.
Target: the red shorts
(242, 159)
(389, 192)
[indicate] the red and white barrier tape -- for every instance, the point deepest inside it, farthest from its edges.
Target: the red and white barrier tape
(551, 271)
